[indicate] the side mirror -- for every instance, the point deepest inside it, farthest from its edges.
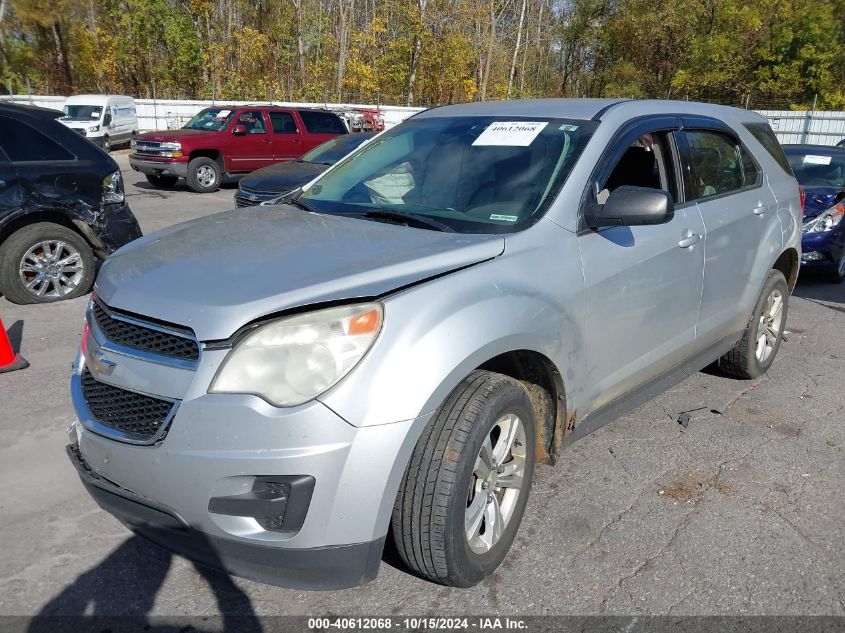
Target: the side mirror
(632, 206)
(239, 130)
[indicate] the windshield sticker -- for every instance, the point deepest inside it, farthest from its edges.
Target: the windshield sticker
(809, 159)
(504, 218)
(223, 114)
(511, 133)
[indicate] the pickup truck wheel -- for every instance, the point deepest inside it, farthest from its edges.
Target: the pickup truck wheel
(756, 350)
(203, 175)
(163, 182)
(45, 262)
(464, 492)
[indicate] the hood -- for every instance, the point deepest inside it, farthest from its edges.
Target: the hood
(818, 199)
(219, 272)
(174, 135)
(282, 177)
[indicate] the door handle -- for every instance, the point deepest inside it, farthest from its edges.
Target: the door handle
(688, 239)
(760, 209)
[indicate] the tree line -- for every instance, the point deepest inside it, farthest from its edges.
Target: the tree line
(427, 52)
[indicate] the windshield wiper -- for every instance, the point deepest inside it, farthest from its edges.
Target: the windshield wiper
(409, 218)
(295, 201)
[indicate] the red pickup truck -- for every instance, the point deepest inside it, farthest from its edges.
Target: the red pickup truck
(227, 141)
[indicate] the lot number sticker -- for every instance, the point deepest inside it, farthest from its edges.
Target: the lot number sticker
(511, 133)
(816, 160)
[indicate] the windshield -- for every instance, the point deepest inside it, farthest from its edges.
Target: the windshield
(471, 174)
(82, 112)
(818, 170)
(211, 119)
(332, 151)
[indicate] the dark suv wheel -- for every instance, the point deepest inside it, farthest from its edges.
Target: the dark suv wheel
(163, 182)
(45, 262)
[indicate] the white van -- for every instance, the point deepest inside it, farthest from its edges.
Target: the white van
(105, 120)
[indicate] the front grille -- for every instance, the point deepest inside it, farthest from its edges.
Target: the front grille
(143, 338)
(249, 198)
(125, 411)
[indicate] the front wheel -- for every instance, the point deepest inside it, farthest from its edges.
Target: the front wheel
(836, 274)
(162, 182)
(203, 175)
(106, 144)
(464, 493)
(756, 350)
(45, 262)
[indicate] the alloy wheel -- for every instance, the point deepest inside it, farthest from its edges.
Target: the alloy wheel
(51, 269)
(769, 326)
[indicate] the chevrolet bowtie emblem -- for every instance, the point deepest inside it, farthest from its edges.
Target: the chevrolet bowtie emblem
(253, 197)
(99, 366)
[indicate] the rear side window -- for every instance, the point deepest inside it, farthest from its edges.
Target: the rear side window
(23, 143)
(322, 122)
(283, 123)
(718, 164)
(766, 137)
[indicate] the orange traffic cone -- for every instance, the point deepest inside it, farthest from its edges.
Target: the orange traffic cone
(9, 361)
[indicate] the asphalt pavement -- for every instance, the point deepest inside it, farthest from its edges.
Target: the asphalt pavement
(741, 513)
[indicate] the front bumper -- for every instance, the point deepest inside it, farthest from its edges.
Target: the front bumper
(158, 167)
(830, 246)
(308, 568)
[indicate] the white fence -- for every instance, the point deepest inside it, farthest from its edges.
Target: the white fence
(791, 126)
(164, 114)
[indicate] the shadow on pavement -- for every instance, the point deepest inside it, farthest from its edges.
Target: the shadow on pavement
(813, 288)
(124, 586)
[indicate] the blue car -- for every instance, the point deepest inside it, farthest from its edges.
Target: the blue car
(820, 170)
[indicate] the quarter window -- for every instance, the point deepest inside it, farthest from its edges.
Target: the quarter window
(25, 144)
(720, 164)
(322, 122)
(283, 123)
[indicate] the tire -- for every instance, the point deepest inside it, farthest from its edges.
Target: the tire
(203, 175)
(106, 144)
(440, 486)
(836, 274)
(745, 359)
(26, 246)
(162, 182)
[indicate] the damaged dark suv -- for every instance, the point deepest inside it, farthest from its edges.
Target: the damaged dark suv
(61, 206)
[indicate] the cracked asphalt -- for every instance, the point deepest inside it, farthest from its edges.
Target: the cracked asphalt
(741, 513)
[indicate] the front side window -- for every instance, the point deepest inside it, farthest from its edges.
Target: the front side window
(253, 121)
(210, 119)
(647, 162)
(469, 174)
(718, 164)
(322, 122)
(25, 144)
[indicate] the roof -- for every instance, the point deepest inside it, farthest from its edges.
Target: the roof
(596, 109)
(805, 147)
(18, 109)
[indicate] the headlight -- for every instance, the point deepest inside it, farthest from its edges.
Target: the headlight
(827, 220)
(113, 189)
(94, 128)
(295, 359)
(133, 143)
(171, 146)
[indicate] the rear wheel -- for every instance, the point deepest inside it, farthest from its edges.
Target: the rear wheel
(464, 493)
(760, 341)
(45, 262)
(163, 182)
(203, 175)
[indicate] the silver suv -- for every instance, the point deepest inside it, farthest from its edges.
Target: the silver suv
(392, 351)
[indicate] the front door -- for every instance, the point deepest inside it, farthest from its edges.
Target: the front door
(738, 210)
(252, 142)
(643, 283)
(10, 196)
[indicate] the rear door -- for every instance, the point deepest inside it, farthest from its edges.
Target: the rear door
(740, 221)
(253, 149)
(319, 127)
(643, 283)
(287, 136)
(10, 197)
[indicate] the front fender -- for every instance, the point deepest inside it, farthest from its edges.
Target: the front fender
(436, 333)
